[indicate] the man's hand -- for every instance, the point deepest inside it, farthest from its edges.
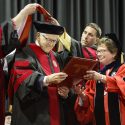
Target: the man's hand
(54, 21)
(63, 91)
(29, 9)
(56, 78)
(24, 13)
(78, 89)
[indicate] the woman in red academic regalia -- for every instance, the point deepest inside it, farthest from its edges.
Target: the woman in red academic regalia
(102, 102)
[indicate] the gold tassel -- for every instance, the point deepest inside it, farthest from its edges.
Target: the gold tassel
(60, 47)
(64, 33)
(10, 108)
(122, 57)
(65, 39)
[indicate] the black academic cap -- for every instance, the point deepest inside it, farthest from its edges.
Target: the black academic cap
(48, 28)
(115, 40)
(8, 113)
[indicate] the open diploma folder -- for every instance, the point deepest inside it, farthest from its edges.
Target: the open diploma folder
(76, 69)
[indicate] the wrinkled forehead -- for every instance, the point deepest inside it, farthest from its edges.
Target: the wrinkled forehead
(90, 30)
(50, 36)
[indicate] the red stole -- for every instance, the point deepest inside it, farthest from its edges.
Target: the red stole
(52, 91)
(25, 33)
(90, 51)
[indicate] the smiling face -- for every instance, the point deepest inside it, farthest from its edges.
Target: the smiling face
(89, 37)
(104, 55)
(106, 51)
(47, 41)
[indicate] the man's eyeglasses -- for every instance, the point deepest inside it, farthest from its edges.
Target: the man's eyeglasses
(102, 51)
(50, 40)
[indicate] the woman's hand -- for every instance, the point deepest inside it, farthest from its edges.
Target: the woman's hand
(93, 75)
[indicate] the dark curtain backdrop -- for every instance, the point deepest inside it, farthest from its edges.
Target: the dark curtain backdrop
(75, 14)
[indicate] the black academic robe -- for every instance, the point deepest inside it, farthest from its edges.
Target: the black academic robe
(8, 41)
(76, 49)
(68, 104)
(34, 104)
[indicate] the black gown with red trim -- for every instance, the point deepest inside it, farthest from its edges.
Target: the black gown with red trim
(8, 42)
(34, 104)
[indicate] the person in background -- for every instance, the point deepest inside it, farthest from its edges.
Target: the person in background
(102, 102)
(9, 40)
(34, 80)
(89, 39)
(8, 116)
(86, 47)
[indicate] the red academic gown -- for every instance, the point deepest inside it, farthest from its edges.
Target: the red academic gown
(34, 104)
(115, 84)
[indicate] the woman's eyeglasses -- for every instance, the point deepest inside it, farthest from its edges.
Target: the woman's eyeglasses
(102, 51)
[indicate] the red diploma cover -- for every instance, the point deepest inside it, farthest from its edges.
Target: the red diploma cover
(76, 69)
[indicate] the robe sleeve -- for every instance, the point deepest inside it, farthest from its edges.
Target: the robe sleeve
(9, 38)
(116, 83)
(84, 112)
(24, 81)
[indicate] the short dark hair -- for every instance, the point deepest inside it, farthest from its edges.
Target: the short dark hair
(96, 27)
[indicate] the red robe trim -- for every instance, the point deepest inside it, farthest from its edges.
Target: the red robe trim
(13, 88)
(52, 91)
(91, 50)
(116, 84)
(25, 33)
(22, 78)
